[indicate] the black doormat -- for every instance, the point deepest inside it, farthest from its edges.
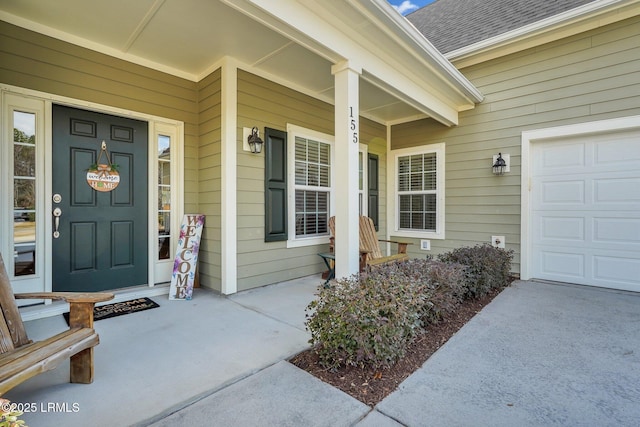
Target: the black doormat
(120, 308)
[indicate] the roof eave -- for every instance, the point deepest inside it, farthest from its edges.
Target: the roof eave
(584, 18)
(414, 39)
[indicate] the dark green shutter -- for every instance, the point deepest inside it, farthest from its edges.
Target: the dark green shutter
(275, 185)
(372, 178)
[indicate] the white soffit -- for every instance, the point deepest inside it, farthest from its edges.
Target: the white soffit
(294, 42)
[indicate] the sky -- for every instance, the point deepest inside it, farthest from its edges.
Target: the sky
(408, 6)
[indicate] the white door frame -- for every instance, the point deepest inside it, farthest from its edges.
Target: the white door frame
(156, 124)
(547, 134)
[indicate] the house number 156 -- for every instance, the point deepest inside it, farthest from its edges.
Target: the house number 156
(352, 126)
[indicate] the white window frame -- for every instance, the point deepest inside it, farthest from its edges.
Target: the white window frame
(439, 150)
(13, 102)
(294, 131)
(163, 268)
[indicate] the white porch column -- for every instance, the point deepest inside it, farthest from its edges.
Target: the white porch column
(228, 226)
(347, 138)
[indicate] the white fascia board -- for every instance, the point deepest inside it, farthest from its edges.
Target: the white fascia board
(406, 32)
(589, 16)
(306, 23)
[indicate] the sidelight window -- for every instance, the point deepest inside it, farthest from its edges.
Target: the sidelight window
(24, 193)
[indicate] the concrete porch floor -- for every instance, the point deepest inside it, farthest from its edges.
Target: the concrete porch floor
(151, 363)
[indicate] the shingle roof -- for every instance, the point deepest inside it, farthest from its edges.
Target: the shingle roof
(453, 24)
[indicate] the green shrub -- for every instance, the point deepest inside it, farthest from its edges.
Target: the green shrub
(486, 268)
(372, 318)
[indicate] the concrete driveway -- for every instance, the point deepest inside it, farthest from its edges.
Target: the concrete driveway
(540, 354)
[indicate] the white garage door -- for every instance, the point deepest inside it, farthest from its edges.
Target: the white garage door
(586, 210)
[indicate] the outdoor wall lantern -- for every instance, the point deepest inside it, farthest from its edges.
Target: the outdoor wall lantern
(255, 143)
(500, 164)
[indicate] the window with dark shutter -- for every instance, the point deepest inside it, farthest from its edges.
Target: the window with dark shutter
(275, 185)
(372, 182)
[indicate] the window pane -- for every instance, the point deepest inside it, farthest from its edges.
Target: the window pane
(403, 165)
(164, 248)
(325, 153)
(301, 173)
(417, 212)
(300, 201)
(416, 182)
(313, 175)
(164, 223)
(324, 180)
(405, 220)
(301, 149)
(417, 203)
(313, 151)
(360, 172)
(24, 193)
(323, 220)
(430, 162)
(164, 199)
(430, 181)
(24, 238)
(24, 160)
(164, 147)
(312, 163)
(299, 225)
(430, 202)
(312, 212)
(24, 127)
(164, 173)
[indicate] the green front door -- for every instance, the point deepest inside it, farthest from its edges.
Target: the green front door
(101, 239)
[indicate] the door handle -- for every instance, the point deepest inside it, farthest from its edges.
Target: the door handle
(57, 212)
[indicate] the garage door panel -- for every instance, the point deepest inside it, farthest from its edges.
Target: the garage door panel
(608, 150)
(561, 229)
(616, 269)
(559, 194)
(617, 231)
(559, 157)
(558, 265)
(619, 191)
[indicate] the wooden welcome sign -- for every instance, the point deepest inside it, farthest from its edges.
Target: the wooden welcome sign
(184, 267)
(102, 176)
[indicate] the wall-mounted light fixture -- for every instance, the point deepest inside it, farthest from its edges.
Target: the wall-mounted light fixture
(501, 164)
(255, 143)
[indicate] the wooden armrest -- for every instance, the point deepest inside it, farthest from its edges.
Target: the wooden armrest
(80, 304)
(402, 246)
(70, 297)
(395, 241)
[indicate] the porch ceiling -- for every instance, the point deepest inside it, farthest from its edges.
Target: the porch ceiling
(190, 38)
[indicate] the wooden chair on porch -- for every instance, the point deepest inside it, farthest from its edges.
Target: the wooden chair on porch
(370, 253)
(21, 359)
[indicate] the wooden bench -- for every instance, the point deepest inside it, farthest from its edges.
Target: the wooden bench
(21, 359)
(370, 254)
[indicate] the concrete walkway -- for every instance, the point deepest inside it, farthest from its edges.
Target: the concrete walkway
(539, 354)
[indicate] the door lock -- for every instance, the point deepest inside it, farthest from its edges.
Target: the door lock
(57, 212)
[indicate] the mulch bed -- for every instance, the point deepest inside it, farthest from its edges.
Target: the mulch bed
(370, 386)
